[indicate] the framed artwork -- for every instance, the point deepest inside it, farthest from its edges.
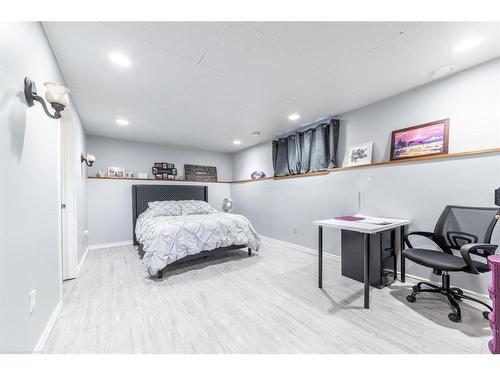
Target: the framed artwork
(116, 172)
(421, 140)
(358, 155)
(200, 173)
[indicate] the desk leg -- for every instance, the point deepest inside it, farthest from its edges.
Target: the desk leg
(367, 269)
(320, 257)
(401, 248)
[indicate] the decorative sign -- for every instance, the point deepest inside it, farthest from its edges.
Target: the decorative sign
(359, 155)
(199, 173)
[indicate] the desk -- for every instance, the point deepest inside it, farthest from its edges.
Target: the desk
(367, 227)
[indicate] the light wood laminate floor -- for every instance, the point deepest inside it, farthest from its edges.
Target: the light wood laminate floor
(267, 303)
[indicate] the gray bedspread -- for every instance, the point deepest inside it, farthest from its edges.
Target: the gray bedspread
(166, 239)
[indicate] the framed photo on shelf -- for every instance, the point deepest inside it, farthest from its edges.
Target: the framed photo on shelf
(421, 140)
(358, 155)
(116, 172)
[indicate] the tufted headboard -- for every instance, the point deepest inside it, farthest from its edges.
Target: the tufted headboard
(143, 194)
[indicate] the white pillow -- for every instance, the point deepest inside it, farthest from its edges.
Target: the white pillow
(165, 208)
(196, 208)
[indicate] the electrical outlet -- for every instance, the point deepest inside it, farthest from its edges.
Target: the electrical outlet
(85, 233)
(295, 230)
(32, 300)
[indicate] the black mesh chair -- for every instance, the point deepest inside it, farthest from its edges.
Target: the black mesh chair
(465, 229)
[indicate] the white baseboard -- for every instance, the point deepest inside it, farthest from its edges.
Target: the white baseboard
(46, 332)
(298, 247)
(337, 257)
(79, 267)
(110, 244)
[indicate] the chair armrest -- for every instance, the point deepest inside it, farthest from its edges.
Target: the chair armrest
(429, 235)
(472, 248)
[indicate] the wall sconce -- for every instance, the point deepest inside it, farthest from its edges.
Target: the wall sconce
(55, 94)
(89, 159)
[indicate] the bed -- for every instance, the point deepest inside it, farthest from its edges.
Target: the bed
(166, 237)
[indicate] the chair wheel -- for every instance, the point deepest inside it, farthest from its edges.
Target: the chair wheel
(454, 317)
(411, 298)
(486, 314)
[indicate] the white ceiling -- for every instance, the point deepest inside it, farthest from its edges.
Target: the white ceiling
(203, 84)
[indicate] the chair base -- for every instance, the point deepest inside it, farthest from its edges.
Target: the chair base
(452, 294)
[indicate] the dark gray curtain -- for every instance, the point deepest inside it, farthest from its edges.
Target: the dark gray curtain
(311, 150)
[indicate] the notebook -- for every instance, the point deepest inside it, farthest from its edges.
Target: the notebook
(350, 218)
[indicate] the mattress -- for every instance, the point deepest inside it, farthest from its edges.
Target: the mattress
(166, 239)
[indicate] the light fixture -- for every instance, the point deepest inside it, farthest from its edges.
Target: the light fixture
(236, 142)
(255, 133)
(442, 71)
(122, 122)
(294, 117)
(89, 159)
(55, 94)
(120, 59)
(467, 44)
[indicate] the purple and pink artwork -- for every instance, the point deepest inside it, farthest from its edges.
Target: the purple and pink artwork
(421, 140)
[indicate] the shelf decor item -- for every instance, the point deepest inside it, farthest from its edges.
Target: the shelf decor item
(358, 155)
(164, 171)
(200, 173)
(116, 172)
(142, 175)
(257, 175)
(421, 140)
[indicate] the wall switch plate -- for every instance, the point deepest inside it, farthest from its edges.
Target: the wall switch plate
(32, 300)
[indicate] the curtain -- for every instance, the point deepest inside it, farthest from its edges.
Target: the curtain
(310, 150)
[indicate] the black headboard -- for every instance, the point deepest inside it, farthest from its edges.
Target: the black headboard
(143, 194)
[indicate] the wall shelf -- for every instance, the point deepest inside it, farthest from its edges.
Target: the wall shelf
(154, 179)
(384, 163)
(326, 172)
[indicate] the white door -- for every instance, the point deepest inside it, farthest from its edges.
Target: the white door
(69, 235)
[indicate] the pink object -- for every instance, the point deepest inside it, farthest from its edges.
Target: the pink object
(494, 290)
(349, 218)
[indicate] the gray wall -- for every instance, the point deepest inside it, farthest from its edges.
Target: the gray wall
(140, 156)
(417, 190)
(110, 201)
(29, 190)
(110, 207)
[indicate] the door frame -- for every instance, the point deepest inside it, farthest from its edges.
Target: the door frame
(69, 207)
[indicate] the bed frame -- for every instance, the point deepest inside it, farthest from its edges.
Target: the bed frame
(143, 194)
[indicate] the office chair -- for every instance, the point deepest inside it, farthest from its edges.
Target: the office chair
(466, 229)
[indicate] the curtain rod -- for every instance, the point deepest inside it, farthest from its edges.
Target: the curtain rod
(305, 126)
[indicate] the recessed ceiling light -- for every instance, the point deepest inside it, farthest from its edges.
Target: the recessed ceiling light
(255, 133)
(467, 44)
(442, 71)
(294, 116)
(122, 122)
(236, 142)
(120, 59)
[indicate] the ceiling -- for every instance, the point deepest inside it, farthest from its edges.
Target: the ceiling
(204, 84)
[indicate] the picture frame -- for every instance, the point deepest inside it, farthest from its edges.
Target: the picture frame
(200, 173)
(116, 172)
(421, 140)
(360, 154)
